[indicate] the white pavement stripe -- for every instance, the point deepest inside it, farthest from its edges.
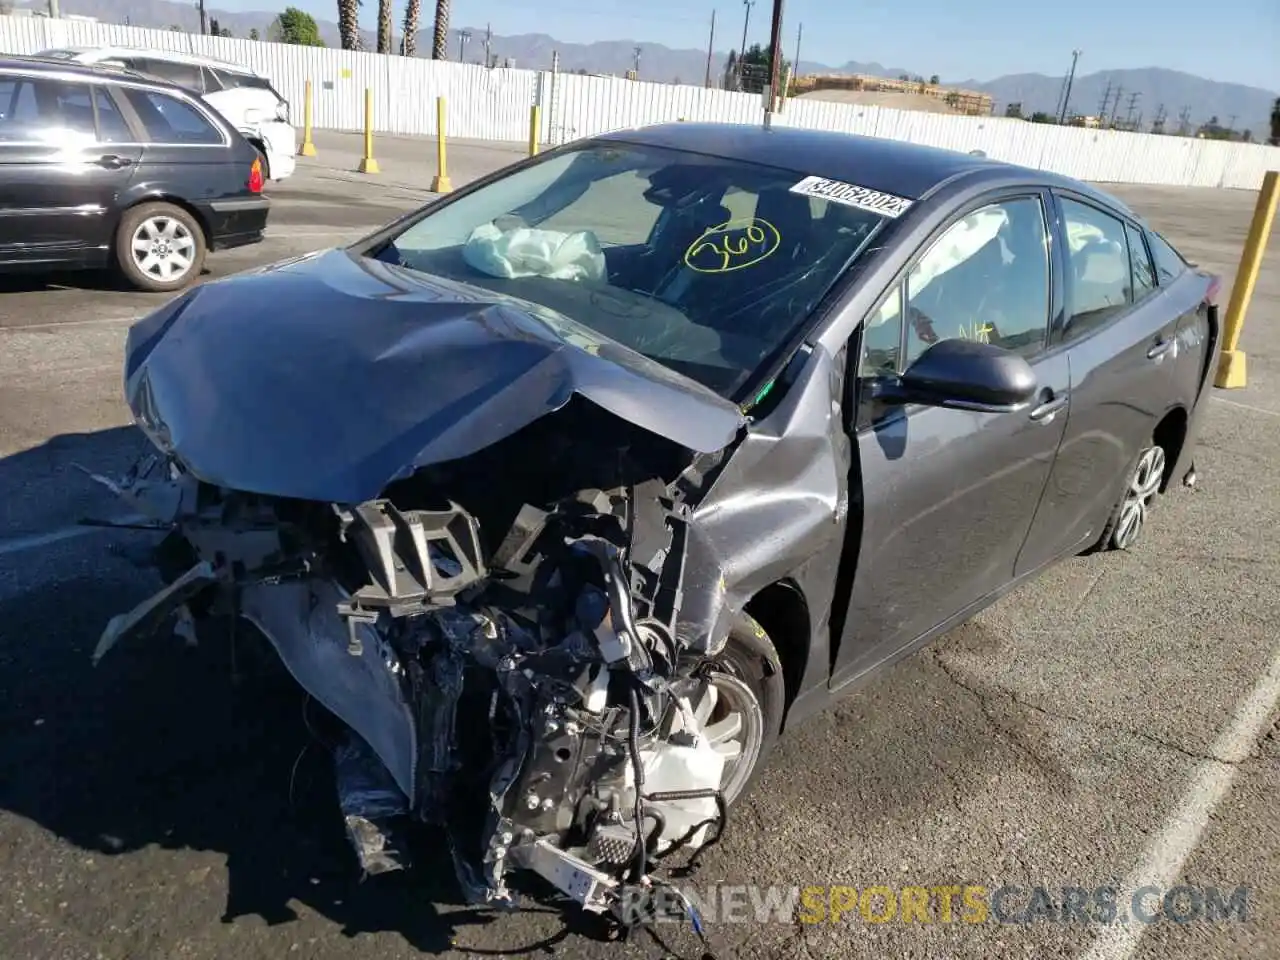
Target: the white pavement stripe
(133, 317)
(1163, 860)
(33, 541)
(1248, 406)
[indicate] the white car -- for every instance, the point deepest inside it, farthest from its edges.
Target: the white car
(246, 99)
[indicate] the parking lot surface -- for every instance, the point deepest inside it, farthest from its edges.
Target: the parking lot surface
(1110, 724)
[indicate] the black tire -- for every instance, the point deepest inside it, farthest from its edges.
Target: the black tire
(1146, 469)
(133, 271)
(750, 656)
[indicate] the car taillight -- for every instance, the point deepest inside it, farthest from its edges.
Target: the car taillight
(255, 176)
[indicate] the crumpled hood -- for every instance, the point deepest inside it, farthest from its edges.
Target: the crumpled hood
(329, 376)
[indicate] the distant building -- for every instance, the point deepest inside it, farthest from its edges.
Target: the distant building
(970, 102)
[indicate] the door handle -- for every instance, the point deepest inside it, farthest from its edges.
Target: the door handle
(1047, 409)
(1161, 348)
(113, 161)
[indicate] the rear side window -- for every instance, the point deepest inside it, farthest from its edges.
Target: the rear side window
(1169, 263)
(170, 120)
(1144, 274)
(230, 80)
(112, 126)
(183, 74)
(1099, 280)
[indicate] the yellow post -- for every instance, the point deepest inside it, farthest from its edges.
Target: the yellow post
(535, 127)
(441, 182)
(367, 163)
(308, 148)
(1231, 365)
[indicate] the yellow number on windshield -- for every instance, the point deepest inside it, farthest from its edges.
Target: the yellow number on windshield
(732, 245)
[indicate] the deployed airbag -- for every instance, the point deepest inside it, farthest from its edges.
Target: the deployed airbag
(527, 252)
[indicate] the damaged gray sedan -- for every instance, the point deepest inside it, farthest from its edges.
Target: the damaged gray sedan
(566, 491)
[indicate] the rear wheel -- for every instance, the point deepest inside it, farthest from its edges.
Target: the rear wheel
(160, 247)
(1129, 518)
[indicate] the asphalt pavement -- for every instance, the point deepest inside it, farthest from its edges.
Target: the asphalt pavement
(1113, 723)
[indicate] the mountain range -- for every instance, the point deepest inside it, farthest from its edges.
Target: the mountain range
(1143, 92)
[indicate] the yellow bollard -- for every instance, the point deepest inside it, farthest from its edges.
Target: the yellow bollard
(367, 163)
(535, 127)
(308, 148)
(441, 182)
(1231, 364)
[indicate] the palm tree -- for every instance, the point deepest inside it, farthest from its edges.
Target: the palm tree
(440, 48)
(384, 26)
(412, 13)
(349, 24)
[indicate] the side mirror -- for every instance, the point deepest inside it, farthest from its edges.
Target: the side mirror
(963, 375)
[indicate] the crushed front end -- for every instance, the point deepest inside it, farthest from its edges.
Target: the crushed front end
(517, 680)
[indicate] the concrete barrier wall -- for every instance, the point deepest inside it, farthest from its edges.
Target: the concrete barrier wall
(495, 105)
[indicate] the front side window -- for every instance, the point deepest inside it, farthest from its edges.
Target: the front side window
(708, 266)
(46, 111)
(1144, 274)
(170, 120)
(1099, 281)
(985, 279)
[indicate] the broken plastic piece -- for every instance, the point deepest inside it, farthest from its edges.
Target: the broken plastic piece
(148, 615)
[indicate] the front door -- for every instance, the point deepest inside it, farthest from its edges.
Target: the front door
(947, 495)
(1121, 336)
(66, 153)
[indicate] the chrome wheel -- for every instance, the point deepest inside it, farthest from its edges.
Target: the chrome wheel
(163, 248)
(730, 717)
(1143, 486)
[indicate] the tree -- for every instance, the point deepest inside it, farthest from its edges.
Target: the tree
(217, 31)
(297, 27)
(253, 33)
(1014, 110)
(1041, 117)
(730, 71)
(349, 24)
(384, 26)
(934, 81)
(412, 14)
(440, 42)
(1274, 139)
(756, 68)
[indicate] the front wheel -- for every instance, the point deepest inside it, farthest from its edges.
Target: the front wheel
(1129, 518)
(160, 247)
(742, 704)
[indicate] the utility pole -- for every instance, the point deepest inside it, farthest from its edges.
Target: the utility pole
(1066, 92)
(635, 53)
(54, 11)
(795, 66)
(1133, 105)
(746, 19)
(1157, 125)
(463, 37)
(1115, 110)
(1184, 121)
(204, 22)
(1102, 107)
(775, 61)
(711, 45)
(1231, 123)
(488, 45)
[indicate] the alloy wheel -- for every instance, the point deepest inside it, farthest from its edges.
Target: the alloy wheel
(1143, 486)
(163, 248)
(733, 724)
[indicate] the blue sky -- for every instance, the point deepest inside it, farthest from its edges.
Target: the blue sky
(1229, 40)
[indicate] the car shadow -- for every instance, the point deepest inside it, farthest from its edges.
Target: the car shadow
(209, 747)
(106, 281)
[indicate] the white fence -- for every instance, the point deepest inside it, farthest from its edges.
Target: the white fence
(495, 105)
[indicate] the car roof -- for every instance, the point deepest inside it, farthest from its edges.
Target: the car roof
(898, 167)
(43, 65)
(173, 56)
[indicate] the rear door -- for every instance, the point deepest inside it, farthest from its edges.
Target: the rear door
(67, 153)
(949, 495)
(1121, 337)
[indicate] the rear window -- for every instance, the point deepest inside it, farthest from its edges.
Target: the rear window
(1169, 263)
(170, 120)
(230, 80)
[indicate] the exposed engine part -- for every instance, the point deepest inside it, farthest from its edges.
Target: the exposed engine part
(532, 700)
